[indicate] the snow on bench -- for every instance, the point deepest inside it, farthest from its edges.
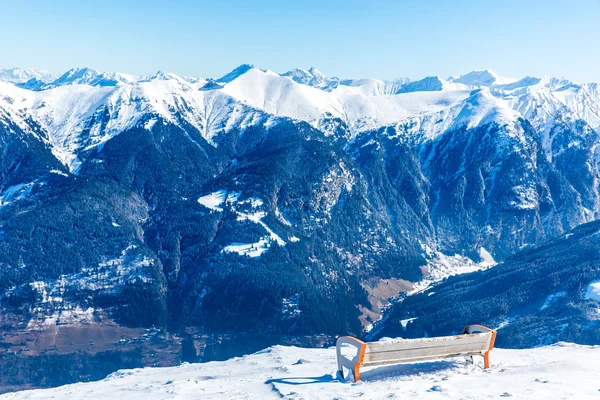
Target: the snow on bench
(475, 340)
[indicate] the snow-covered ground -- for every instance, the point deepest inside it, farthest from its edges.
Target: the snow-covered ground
(562, 371)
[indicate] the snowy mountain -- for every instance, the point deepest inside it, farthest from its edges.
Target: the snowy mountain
(313, 77)
(482, 78)
(372, 87)
(293, 373)
(360, 104)
(22, 75)
(271, 205)
(84, 109)
(88, 76)
(431, 84)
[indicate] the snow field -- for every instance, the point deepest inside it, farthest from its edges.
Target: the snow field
(562, 371)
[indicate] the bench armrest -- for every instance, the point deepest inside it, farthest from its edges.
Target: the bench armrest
(470, 329)
(476, 329)
(354, 363)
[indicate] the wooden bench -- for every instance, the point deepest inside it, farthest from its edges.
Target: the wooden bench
(475, 340)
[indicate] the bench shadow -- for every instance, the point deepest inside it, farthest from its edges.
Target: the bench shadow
(400, 370)
(304, 380)
(374, 374)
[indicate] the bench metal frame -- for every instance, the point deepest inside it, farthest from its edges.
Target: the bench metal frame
(480, 342)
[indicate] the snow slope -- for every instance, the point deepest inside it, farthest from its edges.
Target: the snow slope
(562, 371)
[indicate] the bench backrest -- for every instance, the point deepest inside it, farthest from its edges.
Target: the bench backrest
(395, 351)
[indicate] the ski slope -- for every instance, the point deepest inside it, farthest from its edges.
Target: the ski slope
(562, 371)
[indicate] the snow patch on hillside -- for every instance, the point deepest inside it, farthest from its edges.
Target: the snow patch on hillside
(55, 305)
(440, 266)
(593, 291)
(249, 249)
(562, 371)
(15, 192)
(214, 200)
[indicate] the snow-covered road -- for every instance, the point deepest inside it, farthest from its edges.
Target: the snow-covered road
(563, 371)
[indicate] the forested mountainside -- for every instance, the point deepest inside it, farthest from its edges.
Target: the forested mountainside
(536, 297)
(272, 204)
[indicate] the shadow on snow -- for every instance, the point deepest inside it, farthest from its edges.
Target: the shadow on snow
(393, 371)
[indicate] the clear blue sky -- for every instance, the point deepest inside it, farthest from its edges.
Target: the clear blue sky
(347, 38)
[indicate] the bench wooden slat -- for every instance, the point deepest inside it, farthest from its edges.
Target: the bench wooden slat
(484, 339)
(419, 359)
(440, 352)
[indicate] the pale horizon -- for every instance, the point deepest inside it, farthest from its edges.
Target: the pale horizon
(348, 39)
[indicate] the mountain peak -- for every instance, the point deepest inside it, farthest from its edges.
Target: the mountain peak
(316, 73)
(76, 75)
(163, 76)
(427, 84)
(91, 77)
(312, 77)
(235, 73)
(485, 77)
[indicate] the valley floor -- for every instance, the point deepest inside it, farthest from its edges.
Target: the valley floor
(562, 371)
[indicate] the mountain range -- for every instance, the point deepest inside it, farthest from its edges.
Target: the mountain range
(275, 204)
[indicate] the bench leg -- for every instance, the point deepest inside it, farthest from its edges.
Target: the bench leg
(356, 372)
(340, 368)
(352, 364)
(486, 359)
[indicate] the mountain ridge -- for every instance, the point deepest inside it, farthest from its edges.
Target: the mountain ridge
(359, 109)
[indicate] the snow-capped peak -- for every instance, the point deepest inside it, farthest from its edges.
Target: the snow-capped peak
(400, 81)
(89, 76)
(482, 78)
(236, 73)
(163, 76)
(22, 75)
(312, 77)
(482, 108)
(316, 73)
